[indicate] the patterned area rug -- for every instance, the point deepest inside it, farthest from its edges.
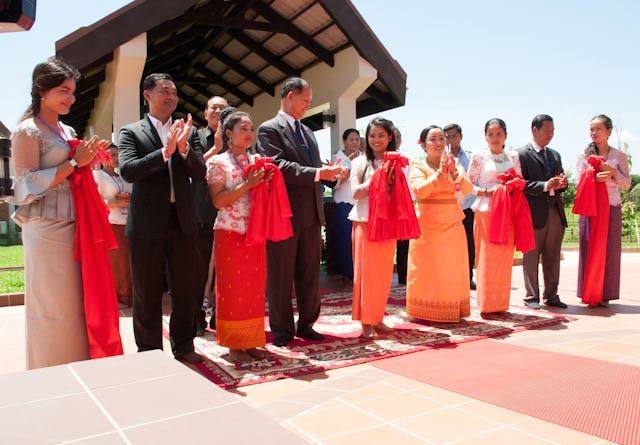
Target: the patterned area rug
(343, 345)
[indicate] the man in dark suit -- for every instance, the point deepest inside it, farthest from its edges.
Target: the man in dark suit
(296, 261)
(210, 137)
(160, 157)
(542, 169)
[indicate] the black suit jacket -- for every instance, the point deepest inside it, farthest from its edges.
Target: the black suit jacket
(277, 140)
(142, 164)
(534, 171)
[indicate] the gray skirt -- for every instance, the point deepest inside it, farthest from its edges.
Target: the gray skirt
(56, 332)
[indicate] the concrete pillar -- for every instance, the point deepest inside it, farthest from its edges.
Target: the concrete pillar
(119, 100)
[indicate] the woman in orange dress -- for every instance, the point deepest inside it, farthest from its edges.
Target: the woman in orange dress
(438, 276)
(495, 262)
(372, 261)
(240, 269)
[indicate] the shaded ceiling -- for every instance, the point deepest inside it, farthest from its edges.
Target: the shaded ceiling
(238, 49)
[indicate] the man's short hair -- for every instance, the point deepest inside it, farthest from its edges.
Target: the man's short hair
(150, 81)
(456, 127)
(295, 85)
(539, 120)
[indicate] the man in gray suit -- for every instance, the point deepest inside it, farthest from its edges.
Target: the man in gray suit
(542, 169)
(296, 261)
(161, 156)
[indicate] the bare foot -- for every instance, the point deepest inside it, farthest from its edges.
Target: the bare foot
(240, 356)
(368, 331)
(383, 327)
(256, 353)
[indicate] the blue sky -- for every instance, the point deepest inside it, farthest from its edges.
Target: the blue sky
(466, 62)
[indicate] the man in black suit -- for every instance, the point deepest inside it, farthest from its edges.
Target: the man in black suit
(542, 169)
(296, 261)
(160, 157)
(211, 142)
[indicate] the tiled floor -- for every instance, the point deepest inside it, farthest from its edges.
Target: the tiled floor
(363, 404)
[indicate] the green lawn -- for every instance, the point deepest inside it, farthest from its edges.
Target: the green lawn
(11, 282)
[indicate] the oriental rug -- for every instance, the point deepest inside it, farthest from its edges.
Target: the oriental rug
(593, 396)
(343, 345)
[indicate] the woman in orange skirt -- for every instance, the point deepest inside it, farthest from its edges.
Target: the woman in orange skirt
(495, 262)
(372, 261)
(240, 268)
(438, 277)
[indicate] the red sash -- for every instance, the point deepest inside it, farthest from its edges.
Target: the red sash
(592, 201)
(509, 206)
(391, 212)
(94, 238)
(270, 214)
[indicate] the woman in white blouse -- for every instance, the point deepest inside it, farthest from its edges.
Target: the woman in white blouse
(615, 174)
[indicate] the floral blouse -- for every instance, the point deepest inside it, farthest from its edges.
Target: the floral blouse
(227, 169)
(484, 169)
(618, 160)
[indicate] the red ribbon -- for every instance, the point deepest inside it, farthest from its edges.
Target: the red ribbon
(94, 238)
(270, 214)
(509, 206)
(592, 201)
(391, 212)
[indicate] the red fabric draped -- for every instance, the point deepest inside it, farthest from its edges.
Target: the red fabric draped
(391, 212)
(592, 201)
(510, 206)
(94, 238)
(270, 214)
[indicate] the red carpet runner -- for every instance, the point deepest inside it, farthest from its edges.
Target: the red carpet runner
(593, 396)
(343, 345)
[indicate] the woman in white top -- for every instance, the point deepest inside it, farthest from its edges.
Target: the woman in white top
(615, 174)
(344, 203)
(493, 287)
(116, 192)
(372, 261)
(240, 269)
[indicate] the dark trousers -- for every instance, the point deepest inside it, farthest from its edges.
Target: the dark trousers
(547, 251)
(402, 256)
(294, 262)
(467, 222)
(147, 269)
(203, 249)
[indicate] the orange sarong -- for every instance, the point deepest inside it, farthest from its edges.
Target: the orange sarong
(240, 291)
(372, 275)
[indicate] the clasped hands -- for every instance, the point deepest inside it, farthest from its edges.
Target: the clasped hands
(86, 151)
(333, 172)
(448, 165)
(177, 137)
(605, 172)
(557, 182)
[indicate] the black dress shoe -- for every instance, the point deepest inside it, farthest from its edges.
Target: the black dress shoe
(556, 303)
(472, 285)
(212, 321)
(310, 334)
(281, 341)
(190, 357)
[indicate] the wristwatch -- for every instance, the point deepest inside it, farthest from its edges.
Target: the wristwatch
(73, 163)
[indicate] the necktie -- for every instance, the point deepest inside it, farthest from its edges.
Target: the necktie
(546, 160)
(301, 139)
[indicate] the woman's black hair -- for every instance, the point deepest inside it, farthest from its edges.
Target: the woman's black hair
(495, 121)
(46, 76)
(347, 132)
(388, 126)
(592, 149)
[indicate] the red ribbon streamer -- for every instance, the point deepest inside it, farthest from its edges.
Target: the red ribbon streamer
(509, 206)
(391, 212)
(94, 238)
(270, 214)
